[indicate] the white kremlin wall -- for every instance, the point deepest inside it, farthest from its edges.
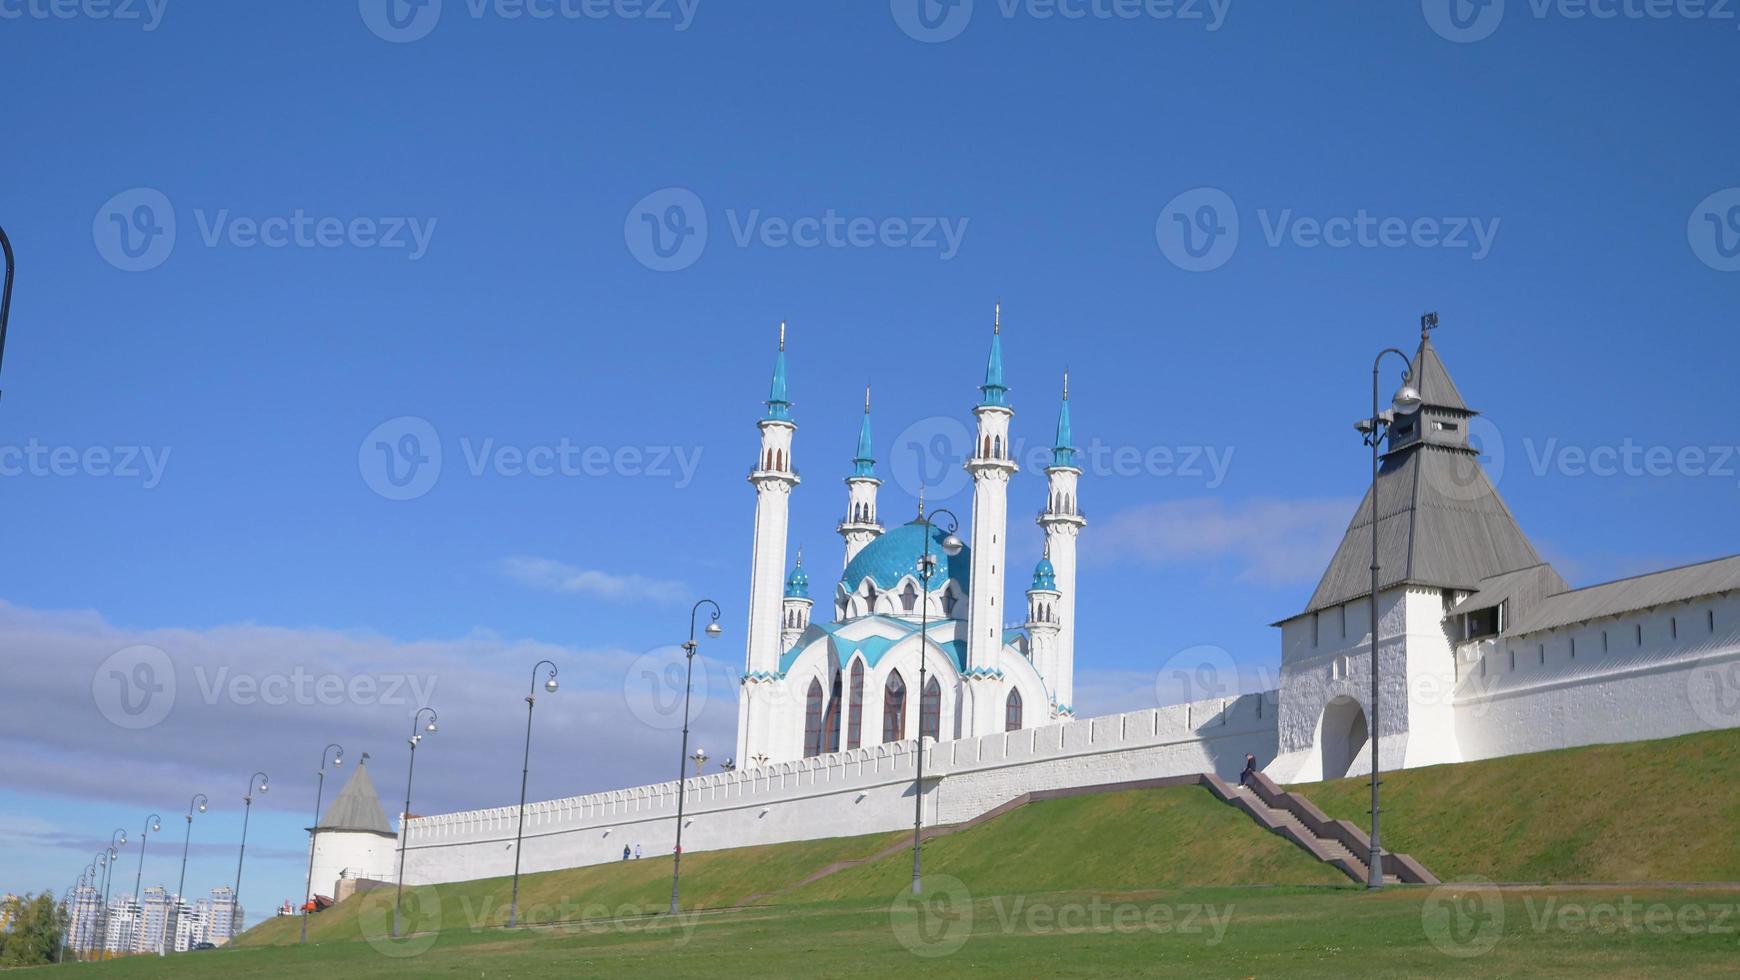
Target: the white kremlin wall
(860, 791)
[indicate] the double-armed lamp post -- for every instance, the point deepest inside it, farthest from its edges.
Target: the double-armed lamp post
(1406, 401)
(525, 770)
(198, 801)
(951, 547)
(689, 649)
(405, 817)
(314, 828)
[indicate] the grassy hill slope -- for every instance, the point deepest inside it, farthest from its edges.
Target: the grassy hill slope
(1116, 841)
(1664, 810)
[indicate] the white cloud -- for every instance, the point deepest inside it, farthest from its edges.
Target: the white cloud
(554, 576)
(1270, 542)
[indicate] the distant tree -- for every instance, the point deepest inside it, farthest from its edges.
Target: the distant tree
(35, 934)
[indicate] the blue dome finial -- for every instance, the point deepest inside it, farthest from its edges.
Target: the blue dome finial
(778, 405)
(1063, 451)
(995, 392)
(864, 464)
(1044, 576)
(797, 584)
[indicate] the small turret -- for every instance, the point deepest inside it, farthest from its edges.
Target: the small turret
(797, 603)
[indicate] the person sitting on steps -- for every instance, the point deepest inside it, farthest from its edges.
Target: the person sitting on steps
(1249, 776)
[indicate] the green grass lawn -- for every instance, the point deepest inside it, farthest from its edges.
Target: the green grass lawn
(1665, 810)
(1196, 932)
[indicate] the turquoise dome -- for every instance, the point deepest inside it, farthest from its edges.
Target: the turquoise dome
(1044, 576)
(797, 584)
(894, 555)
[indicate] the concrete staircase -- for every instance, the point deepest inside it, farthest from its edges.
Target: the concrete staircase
(1335, 842)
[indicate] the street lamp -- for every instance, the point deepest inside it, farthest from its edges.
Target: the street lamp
(117, 840)
(314, 829)
(700, 758)
(247, 811)
(1406, 401)
(525, 768)
(153, 824)
(199, 801)
(689, 649)
(951, 546)
(405, 817)
(5, 289)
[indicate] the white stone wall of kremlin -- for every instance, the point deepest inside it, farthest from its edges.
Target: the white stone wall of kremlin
(861, 791)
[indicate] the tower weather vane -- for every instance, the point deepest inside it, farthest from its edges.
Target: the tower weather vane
(1428, 323)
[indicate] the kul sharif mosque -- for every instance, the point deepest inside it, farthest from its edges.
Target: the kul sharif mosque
(812, 687)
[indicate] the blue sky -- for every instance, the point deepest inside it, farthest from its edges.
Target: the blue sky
(474, 255)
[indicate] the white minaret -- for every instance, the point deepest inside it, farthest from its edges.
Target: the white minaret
(1062, 521)
(860, 525)
(991, 467)
(795, 609)
(1043, 613)
(773, 479)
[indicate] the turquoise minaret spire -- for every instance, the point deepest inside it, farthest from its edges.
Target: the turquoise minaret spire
(778, 405)
(1063, 451)
(995, 392)
(864, 464)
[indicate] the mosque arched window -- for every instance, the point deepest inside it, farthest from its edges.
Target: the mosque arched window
(855, 706)
(930, 710)
(948, 601)
(908, 597)
(997, 447)
(1012, 711)
(894, 708)
(813, 720)
(831, 720)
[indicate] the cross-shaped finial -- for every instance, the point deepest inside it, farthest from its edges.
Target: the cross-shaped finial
(997, 316)
(782, 335)
(921, 501)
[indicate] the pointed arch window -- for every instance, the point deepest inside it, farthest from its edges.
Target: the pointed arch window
(813, 720)
(831, 720)
(930, 710)
(1012, 712)
(908, 597)
(948, 601)
(855, 707)
(894, 709)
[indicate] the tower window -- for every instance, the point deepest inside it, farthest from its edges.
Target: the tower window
(930, 710)
(894, 709)
(855, 706)
(1603, 641)
(1674, 627)
(813, 720)
(908, 597)
(1639, 634)
(1012, 711)
(1710, 619)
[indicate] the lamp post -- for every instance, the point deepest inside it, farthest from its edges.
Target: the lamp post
(689, 649)
(405, 817)
(5, 289)
(247, 811)
(314, 829)
(117, 840)
(200, 801)
(525, 768)
(1406, 400)
(92, 876)
(951, 546)
(66, 913)
(153, 824)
